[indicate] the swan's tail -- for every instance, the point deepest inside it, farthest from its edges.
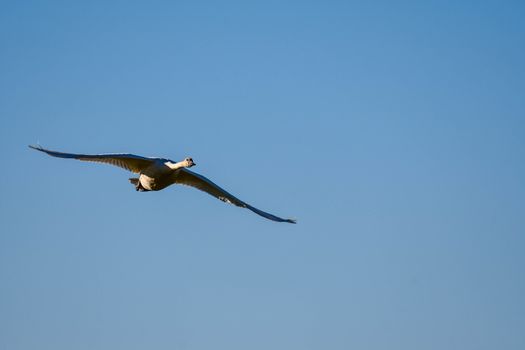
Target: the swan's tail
(135, 181)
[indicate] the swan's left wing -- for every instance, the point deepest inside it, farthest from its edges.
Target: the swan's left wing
(129, 162)
(189, 178)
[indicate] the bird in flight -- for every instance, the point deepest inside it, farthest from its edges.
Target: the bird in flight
(155, 174)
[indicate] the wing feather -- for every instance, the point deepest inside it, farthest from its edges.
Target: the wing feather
(129, 162)
(189, 178)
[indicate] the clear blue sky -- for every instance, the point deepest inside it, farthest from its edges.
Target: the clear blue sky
(394, 133)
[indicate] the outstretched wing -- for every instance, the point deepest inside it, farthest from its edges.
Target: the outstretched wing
(129, 162)
(189, 178)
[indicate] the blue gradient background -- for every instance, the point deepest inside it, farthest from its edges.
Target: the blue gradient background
(394, 133)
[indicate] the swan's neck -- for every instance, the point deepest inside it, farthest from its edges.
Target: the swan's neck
(175, 166)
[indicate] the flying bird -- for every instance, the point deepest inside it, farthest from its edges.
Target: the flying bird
(155, 174)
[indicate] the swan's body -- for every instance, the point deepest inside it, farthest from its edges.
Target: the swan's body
(159, 175)
(156, 174)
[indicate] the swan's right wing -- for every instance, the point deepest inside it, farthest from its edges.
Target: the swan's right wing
(189, 178)
(129, 162)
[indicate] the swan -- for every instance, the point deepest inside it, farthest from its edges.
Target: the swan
(156, 174)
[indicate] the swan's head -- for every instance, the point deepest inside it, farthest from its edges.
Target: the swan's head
(188, 162)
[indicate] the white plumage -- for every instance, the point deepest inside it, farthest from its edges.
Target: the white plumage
(156, 174)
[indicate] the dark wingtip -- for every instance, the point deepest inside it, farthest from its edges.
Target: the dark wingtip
(291, 221)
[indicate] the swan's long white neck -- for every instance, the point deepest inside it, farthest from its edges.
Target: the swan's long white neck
(175, 166)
